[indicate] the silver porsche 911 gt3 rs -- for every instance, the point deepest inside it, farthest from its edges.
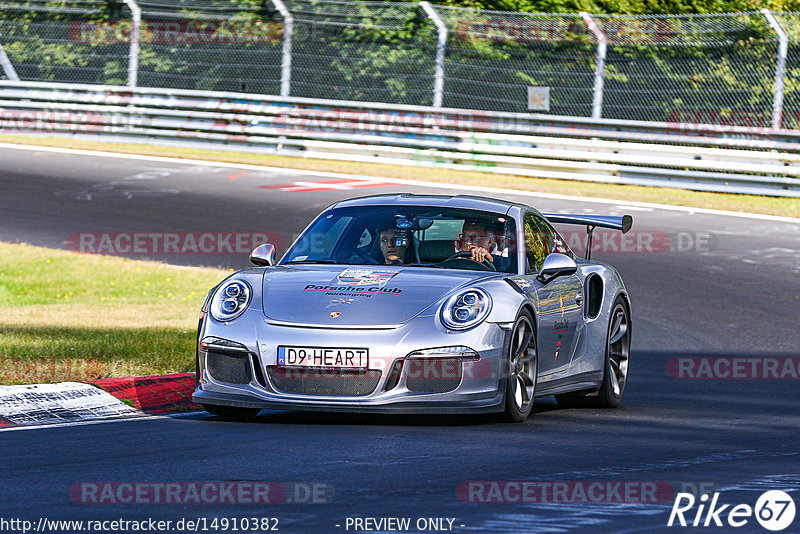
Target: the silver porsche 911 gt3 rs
(418, 304)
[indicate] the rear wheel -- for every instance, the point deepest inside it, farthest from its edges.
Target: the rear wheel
(523, 366)
(231, 412)
(615, 376)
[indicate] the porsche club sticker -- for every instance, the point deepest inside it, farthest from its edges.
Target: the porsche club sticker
(358, 283)
(334, 315)
(366, 277)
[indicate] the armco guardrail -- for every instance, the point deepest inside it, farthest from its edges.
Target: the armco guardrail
(736, 160)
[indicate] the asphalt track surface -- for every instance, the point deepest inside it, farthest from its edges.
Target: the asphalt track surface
(733, 294)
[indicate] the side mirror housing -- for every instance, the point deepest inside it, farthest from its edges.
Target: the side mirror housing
(556, 265)
(263, 255)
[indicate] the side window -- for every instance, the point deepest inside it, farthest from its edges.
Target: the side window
(366, 239)
(539, 241)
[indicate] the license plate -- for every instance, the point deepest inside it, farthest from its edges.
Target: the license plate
(325, 357)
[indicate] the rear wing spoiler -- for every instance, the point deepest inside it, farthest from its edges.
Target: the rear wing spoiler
(623, 224)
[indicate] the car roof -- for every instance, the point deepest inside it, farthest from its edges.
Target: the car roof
(449, 201)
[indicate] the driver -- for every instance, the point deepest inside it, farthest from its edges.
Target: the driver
(478, 238)
(392, 254)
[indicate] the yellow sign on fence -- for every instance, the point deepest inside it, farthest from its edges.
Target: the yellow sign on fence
(539, 98)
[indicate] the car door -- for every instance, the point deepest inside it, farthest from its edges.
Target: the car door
(560, 300)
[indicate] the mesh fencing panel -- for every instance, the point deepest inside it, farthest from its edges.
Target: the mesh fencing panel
(2, 56)
(712, 69)
(212, 45)
(493, 57)
(709, 69)
(77, 42)
(367, 51)
(791, 104)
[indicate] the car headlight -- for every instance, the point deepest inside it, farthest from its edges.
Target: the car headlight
(466, 309)
(230, 300)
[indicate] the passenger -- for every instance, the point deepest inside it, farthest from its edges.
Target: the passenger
(392, 253)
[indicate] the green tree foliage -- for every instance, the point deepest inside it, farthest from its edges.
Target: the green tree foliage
(656, 69)
(62, 41)
(630, 7)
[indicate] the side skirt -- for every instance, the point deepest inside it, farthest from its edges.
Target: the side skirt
(581, 382)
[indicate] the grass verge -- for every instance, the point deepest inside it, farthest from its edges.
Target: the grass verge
(69, 316)
(789, 207)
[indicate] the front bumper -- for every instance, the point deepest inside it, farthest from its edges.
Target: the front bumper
(476, 406)
(478, 387)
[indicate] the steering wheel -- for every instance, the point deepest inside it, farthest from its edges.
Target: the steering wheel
(369, 260)
(468, 256)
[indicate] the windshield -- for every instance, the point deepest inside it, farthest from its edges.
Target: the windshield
(419, 236)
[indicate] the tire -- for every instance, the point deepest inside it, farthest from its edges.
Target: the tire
(615, 373)
(231, 412)
(522, 369)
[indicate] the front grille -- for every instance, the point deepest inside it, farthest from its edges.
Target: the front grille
(228, 367)
(339, 383)
(433, 376)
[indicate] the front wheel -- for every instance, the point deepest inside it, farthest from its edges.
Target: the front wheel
(522, 370)
(231, 412)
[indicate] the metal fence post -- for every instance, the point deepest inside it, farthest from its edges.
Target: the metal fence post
(780, 68)
(8, 68)
(599, 66)
(441, 44)
(133, 57)
(286, 61)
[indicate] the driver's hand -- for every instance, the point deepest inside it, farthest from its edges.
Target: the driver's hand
(480, 254)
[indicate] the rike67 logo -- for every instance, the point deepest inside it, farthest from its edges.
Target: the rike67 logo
(774, 510)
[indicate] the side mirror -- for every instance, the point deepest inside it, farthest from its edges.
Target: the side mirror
(556, 265)
(263, 255)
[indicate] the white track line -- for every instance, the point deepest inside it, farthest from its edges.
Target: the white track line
(418, 183)
(128, 419)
